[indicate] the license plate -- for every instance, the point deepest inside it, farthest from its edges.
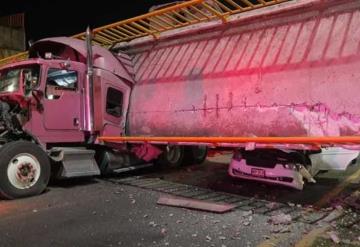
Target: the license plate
(258, 172)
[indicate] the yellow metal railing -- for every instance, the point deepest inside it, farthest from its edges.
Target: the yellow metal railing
(14, 58)
(164, 19)
(173, 17)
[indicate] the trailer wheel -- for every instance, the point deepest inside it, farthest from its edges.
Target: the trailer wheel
(172, 156)
(195, 154)
(24, 170)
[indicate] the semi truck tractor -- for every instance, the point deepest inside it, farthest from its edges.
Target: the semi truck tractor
(275, 81)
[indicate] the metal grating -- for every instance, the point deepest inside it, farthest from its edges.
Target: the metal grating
(242, 203)
(163, 19)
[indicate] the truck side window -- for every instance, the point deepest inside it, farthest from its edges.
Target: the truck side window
(59, 80)
(31, 78)
(114, 101)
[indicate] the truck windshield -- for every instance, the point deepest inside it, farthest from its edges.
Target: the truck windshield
(10, 79)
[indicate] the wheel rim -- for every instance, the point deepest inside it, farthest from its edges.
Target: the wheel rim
(23, 171)
(173, 154)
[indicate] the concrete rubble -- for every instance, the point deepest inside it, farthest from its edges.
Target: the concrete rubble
(334, 237)
(283, 219)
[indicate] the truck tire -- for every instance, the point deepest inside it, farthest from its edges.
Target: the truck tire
(195, 154)
(172, 156)
(24, 170)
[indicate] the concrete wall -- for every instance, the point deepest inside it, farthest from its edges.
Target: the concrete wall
(12, 40)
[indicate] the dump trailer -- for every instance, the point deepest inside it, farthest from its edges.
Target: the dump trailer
(276, 81)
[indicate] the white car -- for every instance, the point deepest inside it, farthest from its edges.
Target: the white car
(288, 167)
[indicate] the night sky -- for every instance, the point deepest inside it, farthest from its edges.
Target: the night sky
(61, 18)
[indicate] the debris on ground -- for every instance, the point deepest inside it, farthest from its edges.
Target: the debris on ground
(285, 229)
(353, 200)
(247, 213)
(291, 204)
(152, 223)
(246, 223)
(119, 191)
(334, 237)
(283, 219)
(248, 217)
(131, 197)
(195, 204)
(336, 213)
(163, 231)
(272, 205)
(208, 238)
(280, 229)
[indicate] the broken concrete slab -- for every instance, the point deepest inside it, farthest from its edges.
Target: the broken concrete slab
(334, 237)
(195, 204)
(283, 219)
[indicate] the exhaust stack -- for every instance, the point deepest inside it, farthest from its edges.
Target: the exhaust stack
(90, 79)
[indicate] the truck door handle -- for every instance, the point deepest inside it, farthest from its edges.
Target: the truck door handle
(76, 121)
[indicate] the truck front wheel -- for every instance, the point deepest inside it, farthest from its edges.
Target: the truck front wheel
(24, 170)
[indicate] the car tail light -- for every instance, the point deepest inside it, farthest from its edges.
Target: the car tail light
(290, 166)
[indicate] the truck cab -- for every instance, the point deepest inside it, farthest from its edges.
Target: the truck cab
(51, 114)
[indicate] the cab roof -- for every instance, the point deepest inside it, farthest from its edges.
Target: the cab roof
(75, 50)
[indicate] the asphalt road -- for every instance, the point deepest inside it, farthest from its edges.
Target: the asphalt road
(99, 212)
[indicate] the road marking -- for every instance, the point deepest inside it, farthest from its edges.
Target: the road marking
(308, 239)
(338, 189)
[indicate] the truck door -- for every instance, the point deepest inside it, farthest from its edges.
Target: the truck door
(62, 99)
(116, 104)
